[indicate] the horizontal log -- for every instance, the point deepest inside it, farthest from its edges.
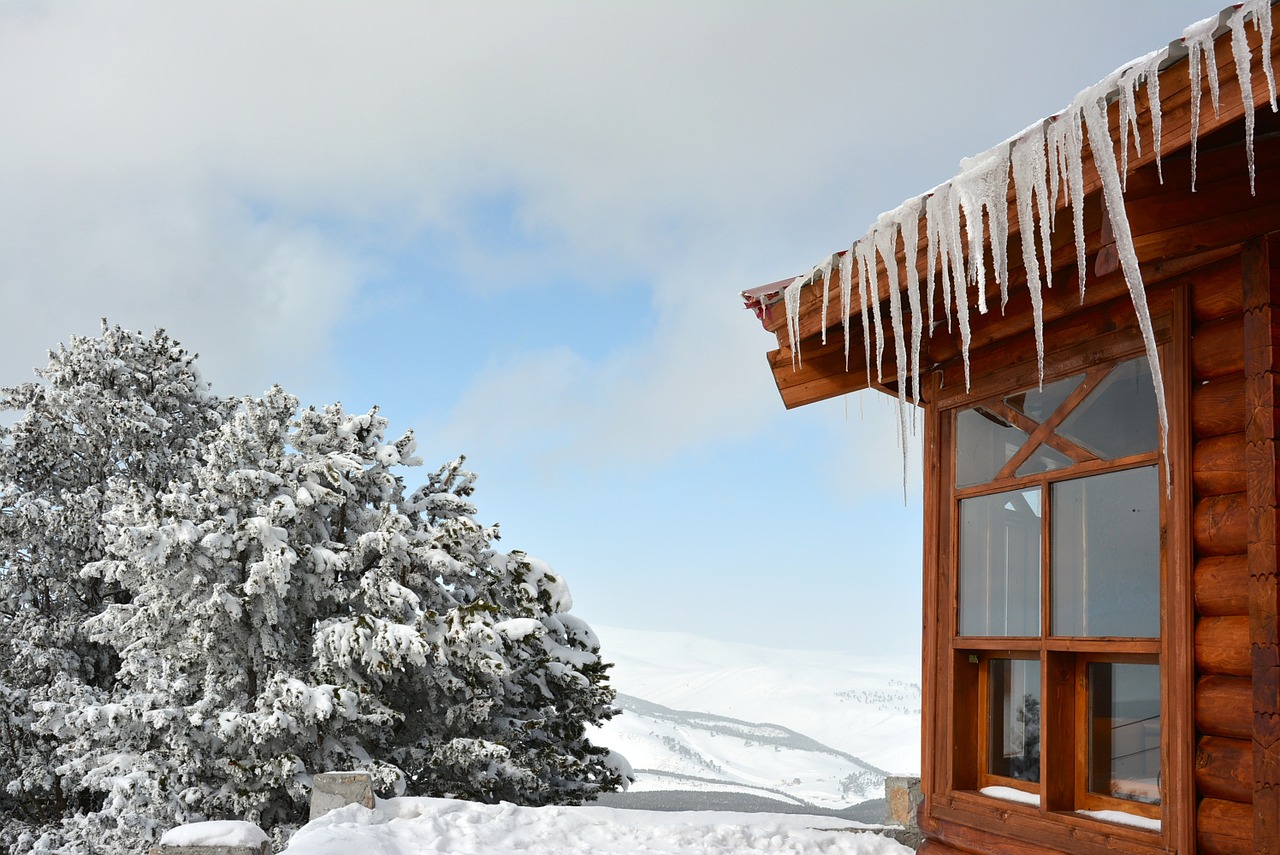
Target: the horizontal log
(1224, 706)
(1217, 348)
(1217, 465)
(1224, 768)
(1221, 525)
(1224, 827)
(1217, 407)
(1215, 291)
(1222, 586)
(934, 847)
(1222, 646)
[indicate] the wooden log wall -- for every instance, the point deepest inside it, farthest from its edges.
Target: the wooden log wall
(1220, 526)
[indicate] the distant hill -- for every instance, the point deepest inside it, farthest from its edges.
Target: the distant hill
(714, 725)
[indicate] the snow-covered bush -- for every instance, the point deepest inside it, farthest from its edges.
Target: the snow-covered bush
(206, 601)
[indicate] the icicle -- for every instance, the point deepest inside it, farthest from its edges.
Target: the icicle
(953, 255)
(983, 183)
(886, 240)
(1199, 41)
(1029, 185)
(1244, 72)
(1104, 158)
(909, 223)
(824, 274)
(936, 243)
(1153, 107)
(1067, 139)
(1128, 120)
(864, 300)
(791, 302)
(846, 293)
(871, 294)
(1127, 82)
(1260, 10)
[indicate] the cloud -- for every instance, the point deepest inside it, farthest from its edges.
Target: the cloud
(228, 168)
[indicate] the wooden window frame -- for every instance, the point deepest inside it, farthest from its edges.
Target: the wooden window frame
(955, 762)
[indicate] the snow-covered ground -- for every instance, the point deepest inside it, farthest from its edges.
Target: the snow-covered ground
(422, 826)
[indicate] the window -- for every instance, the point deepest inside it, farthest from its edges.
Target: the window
(1056, 507)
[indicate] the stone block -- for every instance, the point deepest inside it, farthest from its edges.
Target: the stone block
(903, 797)
(332, 790)
(217, 837)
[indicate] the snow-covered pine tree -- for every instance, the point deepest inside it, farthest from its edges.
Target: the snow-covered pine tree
(285, 608)
(121, 405)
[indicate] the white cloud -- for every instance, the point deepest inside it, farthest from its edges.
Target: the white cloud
(190, 164)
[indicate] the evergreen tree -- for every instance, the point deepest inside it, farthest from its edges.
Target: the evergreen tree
(273, 603)
(121, 405)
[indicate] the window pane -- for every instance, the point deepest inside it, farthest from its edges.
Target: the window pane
(1106, 555)
(1124, 731)
(1015, 718)
(984, 443)
(1119, 416)
(1000, 564)
(1039, 404)
(1043, 459)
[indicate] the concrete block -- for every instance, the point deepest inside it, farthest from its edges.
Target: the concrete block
(332, 790)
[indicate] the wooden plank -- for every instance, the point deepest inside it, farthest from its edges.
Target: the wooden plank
(1222, 646)
(1177, 599)
(1261, 286)
(934, 777)
(995, 827)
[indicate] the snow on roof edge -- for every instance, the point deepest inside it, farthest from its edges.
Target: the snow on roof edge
(1044, 162)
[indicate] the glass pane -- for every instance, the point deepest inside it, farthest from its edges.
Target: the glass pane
(1015, 719)
(1119, 416)
(1124, 731)
(984, 443)
(1043, 459)
(1039, 404)
(1000, 564)
(1106, 555)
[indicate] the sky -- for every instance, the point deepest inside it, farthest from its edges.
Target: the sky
(521, 229)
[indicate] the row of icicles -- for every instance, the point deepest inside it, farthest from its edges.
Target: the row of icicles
(1045, 164)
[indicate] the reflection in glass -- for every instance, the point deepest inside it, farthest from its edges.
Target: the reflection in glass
(1039, 404)
(1106, 555)
(984, 443)
(1000, 564)
(1043, 459)
(1015, 718)
(1124, 731)
(1118, 418)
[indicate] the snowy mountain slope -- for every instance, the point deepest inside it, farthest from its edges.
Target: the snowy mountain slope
(813, 728)
(680, 750)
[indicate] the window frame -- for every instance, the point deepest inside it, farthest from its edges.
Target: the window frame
(954, 765)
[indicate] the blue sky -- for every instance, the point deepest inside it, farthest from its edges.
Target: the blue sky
(521, 229)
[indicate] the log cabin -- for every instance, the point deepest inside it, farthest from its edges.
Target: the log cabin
(1086, 322)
